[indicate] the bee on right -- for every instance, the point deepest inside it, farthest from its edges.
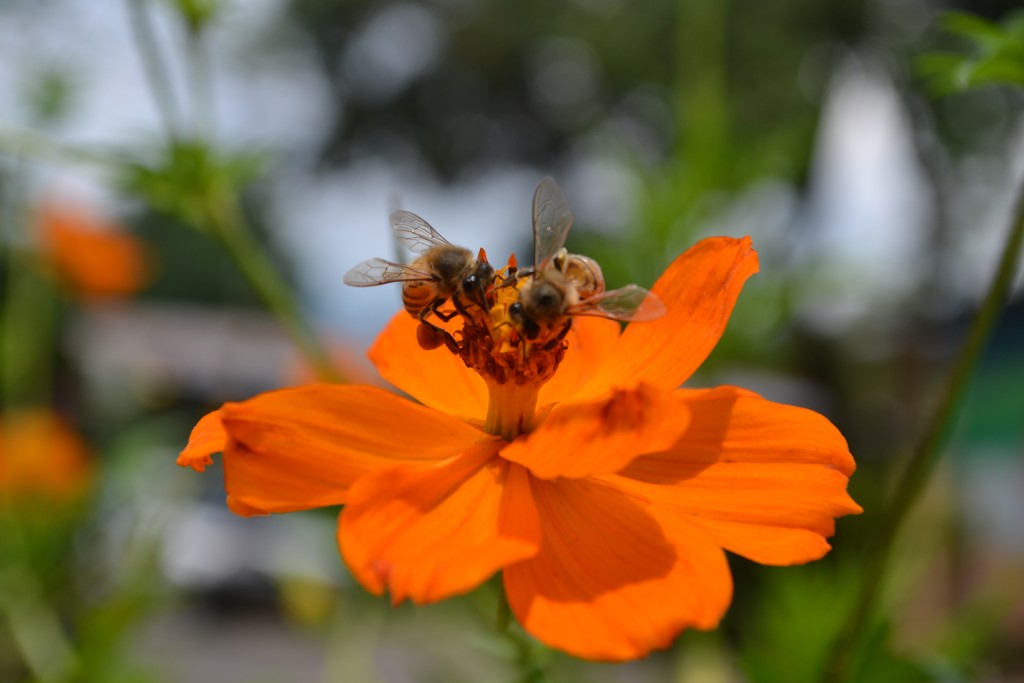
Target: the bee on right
(561, 285)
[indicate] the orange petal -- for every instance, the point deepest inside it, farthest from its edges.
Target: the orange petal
(583, 439)
(699, 289)
(207, 437)
(90, 255)
(427, 532)
(590, 343)
(303, 447)
(732, 424)
(435, 378)
(765, 480)
(42, 458)
(612, 581)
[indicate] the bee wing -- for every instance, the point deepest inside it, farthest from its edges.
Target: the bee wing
(377, 271)
(631, 303)
(551, 222)
(414, 233)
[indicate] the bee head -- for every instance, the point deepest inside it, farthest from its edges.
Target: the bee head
(526, 327)
(545, 300)
(475, 284)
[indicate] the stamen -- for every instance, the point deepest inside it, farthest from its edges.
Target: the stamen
(513, 367)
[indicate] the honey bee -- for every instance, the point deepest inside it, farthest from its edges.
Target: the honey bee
(442, 271)
(582, 271)
(562, 285)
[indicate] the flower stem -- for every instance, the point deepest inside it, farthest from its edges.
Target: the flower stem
(510, 408)
(221, 212)
(9, 271)
(503, 618)
(201, 77)
(233, 233)
(157, 73)
(927, 452)
(35, 628)
(531, 668)
(21, 142)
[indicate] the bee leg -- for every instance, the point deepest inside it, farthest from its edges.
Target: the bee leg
(430, 336)
(552, 343)
(460, 307)
(481, 292)
(452, 345)
(513, 276)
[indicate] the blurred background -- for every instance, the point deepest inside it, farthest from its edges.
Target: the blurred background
(183, 184)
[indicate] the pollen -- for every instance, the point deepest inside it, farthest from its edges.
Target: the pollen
(492, 346)
(513, 366)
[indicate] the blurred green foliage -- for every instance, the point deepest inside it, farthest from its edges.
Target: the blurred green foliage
(995, 54)
(192, 182)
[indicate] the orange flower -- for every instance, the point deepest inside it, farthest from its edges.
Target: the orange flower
(94, 259)
(605, 496)
(41, 457)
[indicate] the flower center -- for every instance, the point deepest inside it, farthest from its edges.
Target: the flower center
(513, 366)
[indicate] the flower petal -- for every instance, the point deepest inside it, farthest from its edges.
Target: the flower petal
(427, 532)
(765, 480)
(90, 254)
(435, 378)
(207, 437)
(584, 439)
(612, 581)
(590, 342)
(302, 447)
(42, 459)
(699, 289)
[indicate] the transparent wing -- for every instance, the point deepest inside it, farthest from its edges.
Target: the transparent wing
(377, 271)
(631, 303)
(551, 222)
(414, 233)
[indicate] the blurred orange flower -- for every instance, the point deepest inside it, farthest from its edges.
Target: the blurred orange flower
(42, 458)
(607, 509)
(90, 256)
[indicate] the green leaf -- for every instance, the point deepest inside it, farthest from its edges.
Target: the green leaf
(189, 180)
(973, 28)
(998, 70)
(995, 55)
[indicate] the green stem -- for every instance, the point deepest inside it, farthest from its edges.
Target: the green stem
(531, 669)
(231, 229)
(35, 628)
(701, 103)
(8, 269)
(927, 451)
(221, 212)
(201, 78)
(27, 304)
(30, 144)
(157, 74)
(503, 618)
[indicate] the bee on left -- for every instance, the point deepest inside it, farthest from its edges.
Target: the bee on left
(442, 271)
